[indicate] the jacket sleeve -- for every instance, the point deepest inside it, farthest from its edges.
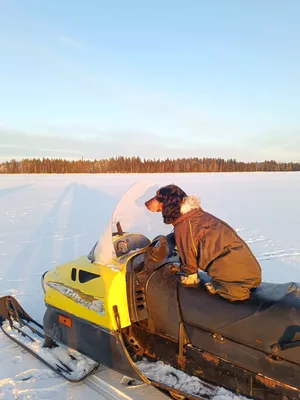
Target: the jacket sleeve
(188, 251)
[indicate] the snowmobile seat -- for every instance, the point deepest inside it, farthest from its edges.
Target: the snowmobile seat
(211, 312)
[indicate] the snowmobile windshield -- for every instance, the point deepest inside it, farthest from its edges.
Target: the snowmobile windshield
(132, 226)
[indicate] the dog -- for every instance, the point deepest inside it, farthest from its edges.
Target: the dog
(207, 243)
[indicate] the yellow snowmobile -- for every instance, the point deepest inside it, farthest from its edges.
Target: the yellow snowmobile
(123, 303)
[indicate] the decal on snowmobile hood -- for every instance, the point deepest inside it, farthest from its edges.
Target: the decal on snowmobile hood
(79, 297)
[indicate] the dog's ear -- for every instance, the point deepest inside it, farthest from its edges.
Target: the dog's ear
(171, 197)
(171, 210)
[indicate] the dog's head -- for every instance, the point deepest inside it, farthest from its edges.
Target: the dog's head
(168, 201)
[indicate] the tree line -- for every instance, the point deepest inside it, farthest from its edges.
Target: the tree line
(137, 165)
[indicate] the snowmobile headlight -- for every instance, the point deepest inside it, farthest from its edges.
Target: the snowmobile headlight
(43, 282)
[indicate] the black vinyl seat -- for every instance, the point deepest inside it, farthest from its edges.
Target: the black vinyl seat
(211, 312)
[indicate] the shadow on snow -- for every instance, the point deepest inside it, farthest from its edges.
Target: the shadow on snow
(89, 212)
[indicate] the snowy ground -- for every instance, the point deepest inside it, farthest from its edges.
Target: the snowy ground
(46, 220)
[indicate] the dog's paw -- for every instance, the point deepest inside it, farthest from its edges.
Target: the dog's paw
(210, 288)
(174, 268)
(190, 280)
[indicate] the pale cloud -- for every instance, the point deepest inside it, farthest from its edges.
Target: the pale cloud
(282, 145)
(134, 143)
(287, 139)
(190, 131)
(174, 115)
(138, 98)
(193, 121)
(68, 40)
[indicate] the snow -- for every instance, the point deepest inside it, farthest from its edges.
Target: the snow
(48, 220)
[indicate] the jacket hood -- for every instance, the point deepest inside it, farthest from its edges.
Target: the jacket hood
(189, 203)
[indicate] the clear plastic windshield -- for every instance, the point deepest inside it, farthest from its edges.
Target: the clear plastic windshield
(133, 217)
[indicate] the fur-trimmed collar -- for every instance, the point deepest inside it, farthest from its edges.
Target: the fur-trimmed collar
(189, 203)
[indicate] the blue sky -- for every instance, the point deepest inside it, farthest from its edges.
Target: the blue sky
(160, 78)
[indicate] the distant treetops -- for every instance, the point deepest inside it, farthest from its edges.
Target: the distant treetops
(137, 165)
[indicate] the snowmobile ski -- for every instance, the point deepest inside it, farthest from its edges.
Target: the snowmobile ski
(16, 324)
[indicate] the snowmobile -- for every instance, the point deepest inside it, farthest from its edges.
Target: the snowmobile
(117, 306)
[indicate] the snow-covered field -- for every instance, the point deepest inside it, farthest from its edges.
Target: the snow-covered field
(47, 220)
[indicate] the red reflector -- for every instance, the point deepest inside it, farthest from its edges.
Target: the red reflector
(65, 320)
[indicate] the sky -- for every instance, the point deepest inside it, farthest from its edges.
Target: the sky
(155, 79)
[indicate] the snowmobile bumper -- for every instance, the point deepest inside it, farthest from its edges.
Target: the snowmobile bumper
(94, 341)
(96, 344)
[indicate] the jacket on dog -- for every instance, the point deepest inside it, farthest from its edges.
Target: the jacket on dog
(208, 243)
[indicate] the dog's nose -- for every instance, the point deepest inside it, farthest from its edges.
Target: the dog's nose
(148, 202)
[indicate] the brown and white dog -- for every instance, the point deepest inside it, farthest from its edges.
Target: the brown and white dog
(173, 202)
(207, 243)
